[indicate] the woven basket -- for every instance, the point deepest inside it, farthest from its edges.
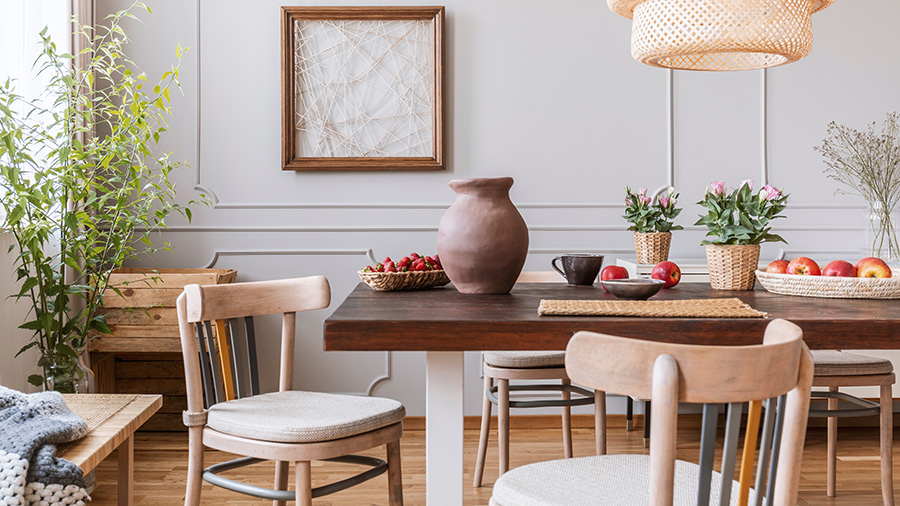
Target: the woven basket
(412, 280)
(831, 287)
(652, 247)
(732, 266)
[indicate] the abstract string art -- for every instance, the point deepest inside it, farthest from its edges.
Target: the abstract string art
(362, 88)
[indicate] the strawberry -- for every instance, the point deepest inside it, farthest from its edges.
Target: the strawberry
(437, 261)
(379, 267)
(368, 269)
(429, 265)
(404, 269)
(387, 260)
(418, 265)
(389, 267)
(414, 256)
(404, 262)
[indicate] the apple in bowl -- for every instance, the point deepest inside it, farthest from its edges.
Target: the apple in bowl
(612, 272)
(839, 268)
(777, 267)
(803, 266)
(873, 268)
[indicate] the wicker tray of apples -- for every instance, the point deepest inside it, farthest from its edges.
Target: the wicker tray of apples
(870, 278)
(412, 272)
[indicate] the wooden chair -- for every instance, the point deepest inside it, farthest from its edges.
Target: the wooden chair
(778, 373)
(835, 369)
(285, 426)
(504, 366)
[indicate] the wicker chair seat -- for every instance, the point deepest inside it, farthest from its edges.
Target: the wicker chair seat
(303, 417)
(839, 363)
(525, 359)
(607, 480)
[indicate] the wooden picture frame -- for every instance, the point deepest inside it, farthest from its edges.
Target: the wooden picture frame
(326, 125)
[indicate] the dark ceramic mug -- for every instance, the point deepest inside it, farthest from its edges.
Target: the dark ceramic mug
(579, 269)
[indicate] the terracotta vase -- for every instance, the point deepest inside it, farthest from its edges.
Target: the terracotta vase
(482, 238)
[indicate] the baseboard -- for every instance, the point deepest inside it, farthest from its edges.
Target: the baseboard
(691, 421)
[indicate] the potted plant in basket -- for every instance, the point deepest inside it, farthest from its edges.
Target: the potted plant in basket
(82, 189)
(651, 221)
(738, 223)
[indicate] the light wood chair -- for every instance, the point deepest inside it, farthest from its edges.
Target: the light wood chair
(835, 369)
(777, 373)
(504, 366)
(285, 426)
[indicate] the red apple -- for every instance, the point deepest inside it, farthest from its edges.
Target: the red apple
(864, 260)
(873, 268)
(840, 268)
(668, 272)
(804, 267)
(612, 272)
(778, 267)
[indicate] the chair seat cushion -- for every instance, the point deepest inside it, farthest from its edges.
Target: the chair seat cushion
(525, 359)
(303, 417)
(607, 480)
(839, 363)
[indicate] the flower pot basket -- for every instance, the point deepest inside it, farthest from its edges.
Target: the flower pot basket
(732, 266)
(652, 247)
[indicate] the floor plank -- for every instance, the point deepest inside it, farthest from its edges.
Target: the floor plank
(161, 462)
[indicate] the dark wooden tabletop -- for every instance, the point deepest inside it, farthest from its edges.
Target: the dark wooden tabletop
(442, 319)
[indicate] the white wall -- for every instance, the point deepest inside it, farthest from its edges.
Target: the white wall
(545, 92)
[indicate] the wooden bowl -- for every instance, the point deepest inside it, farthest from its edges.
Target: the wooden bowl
(633, 289)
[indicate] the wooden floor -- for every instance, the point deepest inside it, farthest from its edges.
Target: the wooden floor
(161, 460)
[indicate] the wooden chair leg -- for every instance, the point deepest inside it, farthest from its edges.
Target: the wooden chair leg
(600, 421)
(195, 467)
(648, 408)
(567, 422)
(503, 423)
(395, 476)
(303, 483)
(485, 432)
(831, 449)
(887, 441)
(281, 479)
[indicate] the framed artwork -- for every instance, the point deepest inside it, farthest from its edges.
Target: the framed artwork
(362, 88)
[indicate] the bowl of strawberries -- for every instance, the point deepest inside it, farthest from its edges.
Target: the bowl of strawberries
(412, 272)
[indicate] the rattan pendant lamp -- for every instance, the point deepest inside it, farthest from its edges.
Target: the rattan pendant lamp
(719, 34)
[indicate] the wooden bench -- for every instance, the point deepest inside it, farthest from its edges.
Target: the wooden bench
(115, 431)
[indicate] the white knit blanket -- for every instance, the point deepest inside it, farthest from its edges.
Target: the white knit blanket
(30, 428)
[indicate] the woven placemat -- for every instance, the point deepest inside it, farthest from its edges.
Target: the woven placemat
(95, 409)
(688, 308)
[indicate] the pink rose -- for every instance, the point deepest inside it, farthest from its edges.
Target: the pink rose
(644, 199)
(664, 201)
(748, 182)
(627, 202)
(642, 191)
(770, 192)
(716, 188)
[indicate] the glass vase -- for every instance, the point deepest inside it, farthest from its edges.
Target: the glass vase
(881, 236)
(64, 373)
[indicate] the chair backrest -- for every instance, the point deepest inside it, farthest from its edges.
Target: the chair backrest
(218, 337)
(778, 372)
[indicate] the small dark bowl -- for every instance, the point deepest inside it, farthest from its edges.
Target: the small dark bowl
(633, 289)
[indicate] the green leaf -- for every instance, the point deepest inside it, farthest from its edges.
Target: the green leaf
(36, 380)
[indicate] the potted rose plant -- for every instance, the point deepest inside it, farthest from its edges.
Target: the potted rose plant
(738, 222)
(651, 221)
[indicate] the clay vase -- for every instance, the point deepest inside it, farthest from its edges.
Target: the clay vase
(482, 239)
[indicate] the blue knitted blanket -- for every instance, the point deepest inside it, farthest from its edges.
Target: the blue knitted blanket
(30, 428)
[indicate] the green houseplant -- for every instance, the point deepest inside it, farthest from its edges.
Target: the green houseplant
(651, 221)
(738, 222)
(83, 189)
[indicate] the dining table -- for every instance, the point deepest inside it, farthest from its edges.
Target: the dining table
(445, 323)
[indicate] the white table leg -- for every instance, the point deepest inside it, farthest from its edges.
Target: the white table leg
(444, 428)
